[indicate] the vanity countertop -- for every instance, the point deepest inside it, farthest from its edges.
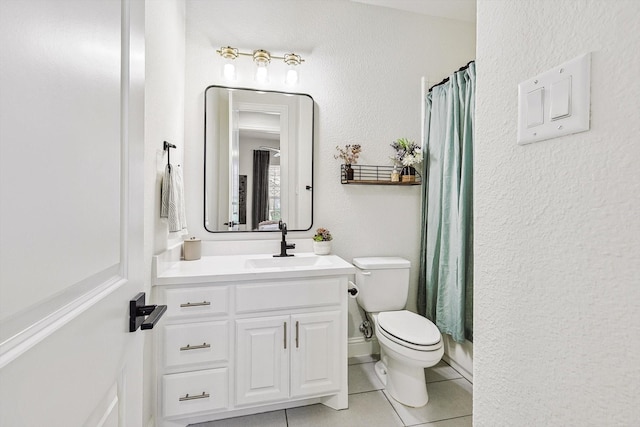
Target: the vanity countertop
(211, 269)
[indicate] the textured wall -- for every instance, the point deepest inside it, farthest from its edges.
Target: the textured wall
(557, 322)
(363, 70)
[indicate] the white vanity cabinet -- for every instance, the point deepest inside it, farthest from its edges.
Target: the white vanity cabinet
(230, 347)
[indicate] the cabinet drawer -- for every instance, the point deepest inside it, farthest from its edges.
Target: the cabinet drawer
(194, 392)
(197, 301)
(195, 343)
(287, 295)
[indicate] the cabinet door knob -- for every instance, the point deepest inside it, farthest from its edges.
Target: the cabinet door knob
(297, 328)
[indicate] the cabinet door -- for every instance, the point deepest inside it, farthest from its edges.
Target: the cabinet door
(315, 353)
(262, 369)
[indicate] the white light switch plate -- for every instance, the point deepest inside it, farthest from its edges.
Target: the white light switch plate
(579, 69)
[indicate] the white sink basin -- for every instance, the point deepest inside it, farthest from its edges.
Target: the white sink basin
(286, 262)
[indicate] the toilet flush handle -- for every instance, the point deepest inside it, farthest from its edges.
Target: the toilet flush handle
(366, 273)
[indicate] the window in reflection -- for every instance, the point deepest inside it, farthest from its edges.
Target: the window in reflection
(274, 193)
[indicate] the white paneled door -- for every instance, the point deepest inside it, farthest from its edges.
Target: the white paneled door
(71, 211)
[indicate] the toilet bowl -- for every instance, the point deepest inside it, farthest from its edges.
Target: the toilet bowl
(409, 343)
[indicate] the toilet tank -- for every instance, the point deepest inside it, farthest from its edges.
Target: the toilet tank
(383, 283)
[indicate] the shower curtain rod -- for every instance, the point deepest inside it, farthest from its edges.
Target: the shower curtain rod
(447, 78)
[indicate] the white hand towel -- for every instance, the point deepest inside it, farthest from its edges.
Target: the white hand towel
(173, 199)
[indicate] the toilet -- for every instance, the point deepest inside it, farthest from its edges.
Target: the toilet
(408, 342)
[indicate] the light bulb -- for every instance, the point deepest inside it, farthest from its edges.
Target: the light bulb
(262, 74)
(229, 71)
(292, 60)
(261, 58)
(229, 67)
(292, 76)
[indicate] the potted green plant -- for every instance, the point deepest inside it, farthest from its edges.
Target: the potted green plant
(349, 155)
(408, 154)
(322, 242)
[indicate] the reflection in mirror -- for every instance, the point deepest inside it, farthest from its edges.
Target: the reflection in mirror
(258, 160)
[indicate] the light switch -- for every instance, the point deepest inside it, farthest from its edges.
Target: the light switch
(556, 102)
(535, 110)
(560, 94)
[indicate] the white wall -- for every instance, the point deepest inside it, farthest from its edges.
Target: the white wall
(363, 70)
(164, 108)
(164, 120)
(557, 225)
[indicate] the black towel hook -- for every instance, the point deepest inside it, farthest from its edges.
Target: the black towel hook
(166, 146)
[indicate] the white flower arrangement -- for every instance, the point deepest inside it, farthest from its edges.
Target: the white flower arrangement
(408, 153)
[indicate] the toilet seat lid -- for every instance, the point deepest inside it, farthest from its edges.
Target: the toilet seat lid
(409, 327)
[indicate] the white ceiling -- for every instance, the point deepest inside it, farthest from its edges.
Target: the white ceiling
(463, 10)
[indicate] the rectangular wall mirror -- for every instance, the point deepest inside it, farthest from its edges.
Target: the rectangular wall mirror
(258, 160)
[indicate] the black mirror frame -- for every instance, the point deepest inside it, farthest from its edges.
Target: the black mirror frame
(308, 187)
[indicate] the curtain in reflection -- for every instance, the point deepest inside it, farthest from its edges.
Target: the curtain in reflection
(445, 283)
(260, 193)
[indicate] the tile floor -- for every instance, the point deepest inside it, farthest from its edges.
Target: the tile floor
(450, 403)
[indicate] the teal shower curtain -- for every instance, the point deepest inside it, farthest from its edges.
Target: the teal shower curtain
(445, 283)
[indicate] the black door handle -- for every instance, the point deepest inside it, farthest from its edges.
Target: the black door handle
(138, 313)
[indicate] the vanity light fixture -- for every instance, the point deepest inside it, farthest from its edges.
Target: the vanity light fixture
(229, 67)
(262, 58)
(292, 60)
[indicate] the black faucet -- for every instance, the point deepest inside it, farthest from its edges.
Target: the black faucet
(283, 244)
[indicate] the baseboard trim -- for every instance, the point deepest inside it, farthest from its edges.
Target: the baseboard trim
(359, 346)
(458, 368)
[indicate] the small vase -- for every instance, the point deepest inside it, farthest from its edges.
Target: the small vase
(322, 248)
(408, 174)
(348, 172)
